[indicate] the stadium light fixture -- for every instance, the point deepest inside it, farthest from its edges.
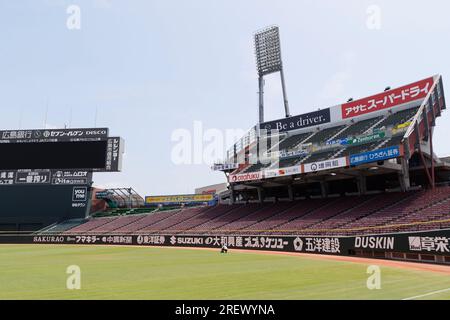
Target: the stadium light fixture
(268, 60)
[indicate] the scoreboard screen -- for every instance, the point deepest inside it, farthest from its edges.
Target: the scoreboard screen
(53, 155)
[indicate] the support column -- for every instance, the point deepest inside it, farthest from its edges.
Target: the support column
(261, 99)
(324, 188)
(260, 194)
(291, 192)
(433, 179)
(405, 183)
(232, 198)
(425, 167)
(362, 184)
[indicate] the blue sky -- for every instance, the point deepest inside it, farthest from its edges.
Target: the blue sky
(151, 67)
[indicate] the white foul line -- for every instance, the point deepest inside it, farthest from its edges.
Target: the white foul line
(427, 294)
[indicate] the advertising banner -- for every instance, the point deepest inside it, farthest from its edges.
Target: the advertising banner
(298, 122)
(366, 139)
(225, 166)
(322, 245)
(388, 99)
(426, 242)
(45, 177)
(325, 165)
(241, 177)
(71, 177)
(288, 171)
(373, 156)
(178, 199)
(290, 154)
(52, 135)
(114, 153)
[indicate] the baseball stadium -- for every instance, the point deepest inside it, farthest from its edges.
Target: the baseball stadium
(343, 202)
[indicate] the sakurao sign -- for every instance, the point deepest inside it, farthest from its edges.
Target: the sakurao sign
(388, 99)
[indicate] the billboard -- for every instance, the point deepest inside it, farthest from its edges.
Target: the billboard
(241, 177)
(179, 199)
(325, 165)
(52, 135)
(388, 99)
(287, 171)
(377, 155)
(57, 149)
(378, 102)
(53, 155)
(298, 122)
(114, 153)
(45, 177)
(426, 242)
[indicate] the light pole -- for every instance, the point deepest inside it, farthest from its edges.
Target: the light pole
(268, 60)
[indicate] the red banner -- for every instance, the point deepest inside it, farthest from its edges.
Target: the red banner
(388, 99)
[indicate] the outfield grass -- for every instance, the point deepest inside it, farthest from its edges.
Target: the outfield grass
(39, 272)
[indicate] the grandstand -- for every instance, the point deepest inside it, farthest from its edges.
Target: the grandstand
(339, 215)
(317, 182)
(363, 168)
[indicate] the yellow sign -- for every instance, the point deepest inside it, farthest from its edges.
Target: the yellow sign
(179, 198)
(403, 125)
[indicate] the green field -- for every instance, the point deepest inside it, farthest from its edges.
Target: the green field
(39, 272)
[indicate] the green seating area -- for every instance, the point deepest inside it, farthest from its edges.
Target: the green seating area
(129, 211)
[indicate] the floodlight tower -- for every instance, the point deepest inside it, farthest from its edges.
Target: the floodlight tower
(268, 60)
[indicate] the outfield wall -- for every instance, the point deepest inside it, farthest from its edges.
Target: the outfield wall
(430, 246)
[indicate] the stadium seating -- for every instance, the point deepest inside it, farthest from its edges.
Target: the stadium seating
(358, 128)
(289, 162)
(410, 203)
(63, 226)
(345, 215)
(172, 220)
(320, 138)
(230, 216)
(268, 211)
(292, 141)
(90, 225)
(298, 210)
(256, 167)
(368, 205)
(396, 119)
(334, 207)
(359, 148)
(206, 215)
(324, 134)
(320, 156)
